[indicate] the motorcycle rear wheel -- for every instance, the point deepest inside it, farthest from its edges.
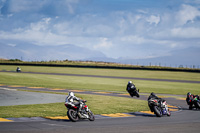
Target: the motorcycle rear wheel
(157, 111)
(72, 115)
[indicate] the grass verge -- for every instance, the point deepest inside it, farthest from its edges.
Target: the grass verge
(98, 105)
(109, 72)
(95, 84)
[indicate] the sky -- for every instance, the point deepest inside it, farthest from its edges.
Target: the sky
(119, 29)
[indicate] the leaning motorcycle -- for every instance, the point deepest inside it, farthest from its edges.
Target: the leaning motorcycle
(18, 69)
(134, 92)
(74, 114)
(159, 108)
(193, 100)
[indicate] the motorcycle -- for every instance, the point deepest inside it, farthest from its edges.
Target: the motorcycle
(159, 108)
(18, 69)
(74, 114)
(193, 100)
(196, 103)
(134, 92)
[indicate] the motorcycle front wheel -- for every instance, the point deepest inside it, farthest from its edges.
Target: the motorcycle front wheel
(198, 105)
(157, 111)
(168, 113)
(91, 116)
(72, 115)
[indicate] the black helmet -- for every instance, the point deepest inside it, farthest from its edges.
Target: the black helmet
(153, 94)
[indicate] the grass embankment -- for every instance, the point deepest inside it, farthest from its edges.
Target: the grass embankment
(98, 105)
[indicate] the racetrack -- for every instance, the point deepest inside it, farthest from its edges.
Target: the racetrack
(181, 121)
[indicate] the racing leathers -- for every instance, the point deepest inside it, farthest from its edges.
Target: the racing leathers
(73, 100)
(160, 100)
(130, 88)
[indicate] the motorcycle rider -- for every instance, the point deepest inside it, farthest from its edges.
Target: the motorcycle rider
(160, 100)
(190, 98)
(72, 99)
(130, 88)
(18, 69)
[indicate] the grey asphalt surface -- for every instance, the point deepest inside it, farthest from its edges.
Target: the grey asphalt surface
(181, 122)
(10, 97)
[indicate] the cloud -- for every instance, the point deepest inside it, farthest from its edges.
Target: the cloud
(39, 7)
(134, 39)
(103, 44)
(153, 19)
(11, 44)
(189, 33)
(114, 31)
(37, 33)
(187, 14)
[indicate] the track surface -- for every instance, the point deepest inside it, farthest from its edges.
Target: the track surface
(183, 121)
(179, 122)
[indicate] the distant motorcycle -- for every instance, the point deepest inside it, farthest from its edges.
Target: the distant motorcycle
(159, 108)
(74, 114)
(133, 91)
(18, 69)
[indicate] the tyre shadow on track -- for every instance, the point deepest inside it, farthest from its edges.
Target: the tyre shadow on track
(142, 114)
(64, 120)
(190, 109)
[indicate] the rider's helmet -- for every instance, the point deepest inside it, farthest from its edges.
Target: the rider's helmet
(188, 94)
(153, 94)
(71, 94)
(130, 82)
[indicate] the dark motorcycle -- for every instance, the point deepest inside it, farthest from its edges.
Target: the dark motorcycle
(133, 91)
(18, 69)
(159, 108)
(196, 103)
(193, 100)
(74, 114)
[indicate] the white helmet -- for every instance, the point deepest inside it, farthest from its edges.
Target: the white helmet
(130, 82)
(71, 94)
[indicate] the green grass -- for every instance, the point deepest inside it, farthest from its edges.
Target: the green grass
(95, 84)
(98, 104)
(109, 72)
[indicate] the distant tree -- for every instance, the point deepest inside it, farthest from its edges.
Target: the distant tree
(15, 60)
(181, 66)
